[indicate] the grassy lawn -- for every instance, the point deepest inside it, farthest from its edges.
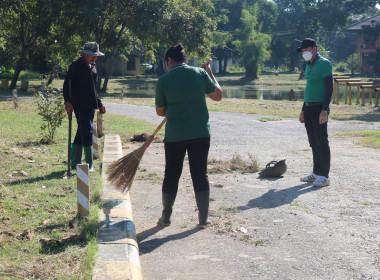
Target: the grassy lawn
(41, 235)
(370, 138)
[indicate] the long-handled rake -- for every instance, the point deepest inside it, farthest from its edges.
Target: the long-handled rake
(122, 172)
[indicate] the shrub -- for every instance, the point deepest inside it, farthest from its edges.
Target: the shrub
(6, 73)
(236, 69)
(341, 67)
(353, 62)
(51, 108)
(28, 75)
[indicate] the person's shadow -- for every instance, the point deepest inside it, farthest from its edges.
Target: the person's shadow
(273, 198)
(148, 246)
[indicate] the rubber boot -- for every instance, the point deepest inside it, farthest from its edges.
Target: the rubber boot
(75, 155)
(203, 200)
(167, 203)
(88, 157)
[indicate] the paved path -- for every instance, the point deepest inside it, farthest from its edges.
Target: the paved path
(244, 134)
(263, 228)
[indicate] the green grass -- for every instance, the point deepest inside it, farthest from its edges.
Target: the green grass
(41, 235)
(29, 75)
(294, 203)
(153, 177)
(126, 126)
(277, 108)
(269, 119)
(370, 138)
(366, 203)
(259, 242)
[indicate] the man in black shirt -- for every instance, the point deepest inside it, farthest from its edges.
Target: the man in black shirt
(80, 94)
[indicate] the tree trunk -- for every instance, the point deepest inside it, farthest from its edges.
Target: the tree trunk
(15, 78)
(160, 70)
(20, 66)
(292, 64)
(52, 76)
(101, 67)
(220, 66)
(251, 71)
(225, 65)
(302, 75)
(105, 83)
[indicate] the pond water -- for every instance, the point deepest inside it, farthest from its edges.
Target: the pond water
(228, 92)
(261, 94)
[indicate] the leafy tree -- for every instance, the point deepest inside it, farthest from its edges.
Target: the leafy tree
(251, 44)
(122, 26)
(353, 62)
(227, 14)
(312, 18)
(27, 26)
(188, 22)
(267, 15)
(219, 43)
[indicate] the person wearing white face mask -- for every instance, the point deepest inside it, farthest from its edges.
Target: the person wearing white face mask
(315, 110)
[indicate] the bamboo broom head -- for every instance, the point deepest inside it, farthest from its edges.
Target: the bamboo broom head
(122, 172)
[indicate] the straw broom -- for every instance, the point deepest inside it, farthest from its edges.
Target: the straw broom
(122, 172)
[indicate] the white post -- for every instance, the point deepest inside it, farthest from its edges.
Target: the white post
(122, 93)
(95, 147)
(99, 124)
(15, 99)
(83, 190)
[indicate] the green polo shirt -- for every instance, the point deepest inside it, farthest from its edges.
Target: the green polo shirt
(315, 72)
(182, 91)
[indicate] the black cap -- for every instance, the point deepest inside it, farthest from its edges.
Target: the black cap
(306, 43)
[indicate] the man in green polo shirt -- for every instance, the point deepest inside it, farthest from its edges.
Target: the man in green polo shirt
(315, 110)
(181, 98)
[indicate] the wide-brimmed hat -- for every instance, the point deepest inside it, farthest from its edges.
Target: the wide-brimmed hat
(91, 48)
(307, 43)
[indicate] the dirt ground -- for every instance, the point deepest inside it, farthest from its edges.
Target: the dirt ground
(277, 228)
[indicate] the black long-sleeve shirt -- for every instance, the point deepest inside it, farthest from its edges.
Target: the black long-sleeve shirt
(83, 79)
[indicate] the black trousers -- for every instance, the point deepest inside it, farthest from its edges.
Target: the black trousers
(197, 150)
(318, 140)
(84, 131)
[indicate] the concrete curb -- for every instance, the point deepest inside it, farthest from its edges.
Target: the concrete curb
(118, 255)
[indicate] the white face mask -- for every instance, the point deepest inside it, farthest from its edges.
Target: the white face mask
(307, 55)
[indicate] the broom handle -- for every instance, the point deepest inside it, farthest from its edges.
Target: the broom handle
(159, 127)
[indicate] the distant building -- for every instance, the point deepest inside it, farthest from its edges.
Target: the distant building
(369, 50)
(131, 66)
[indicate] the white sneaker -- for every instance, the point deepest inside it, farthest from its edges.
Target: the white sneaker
(310, 178)
(322, 181)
